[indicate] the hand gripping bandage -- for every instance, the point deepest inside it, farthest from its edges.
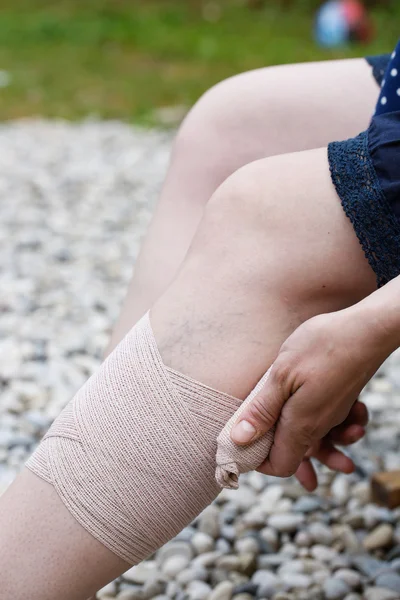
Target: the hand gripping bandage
(132, 456)
(233, 460)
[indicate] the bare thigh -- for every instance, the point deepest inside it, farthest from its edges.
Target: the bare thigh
(274, 249)
(257, 114)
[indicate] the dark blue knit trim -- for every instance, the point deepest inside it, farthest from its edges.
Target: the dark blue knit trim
(379, 64)
(363, 201)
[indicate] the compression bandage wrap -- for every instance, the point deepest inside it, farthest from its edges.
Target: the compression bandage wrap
(132, 456)
(232, 460)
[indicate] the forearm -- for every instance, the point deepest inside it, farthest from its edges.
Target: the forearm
(381, 311)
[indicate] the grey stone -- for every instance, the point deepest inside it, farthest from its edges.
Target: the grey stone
(247, 545)
(128, 594)
(271, 536)
(186, 534)
(369, 566)
(108, 591)
(153, 588)
(268, 561)
(191, 573)
(340, 489)
(222, 591)
(207, 559)
(263, 576)
(244, 497)
(347, 538)
(303, 539)
(375, 593)
(223, 546)
(174, 548)
(245, 588)
(291, 566)
(321, 533)
(216, 576)
(257, 481)
(229, 562)
(374, 515)
(320, 576)
(142, 572)
(291, 581)
(352, 578)
(237, 578)
(171, 590)
(361, 491)
(286, 523)
(390, 581)
(248, 563)
(270, 498)
(307, 504)
(198, 590)
(380, 537)
(228, 532)
(355, 519)
(255, 517)
(335, 589)
(174, 565)
(209, 521)
(323, 553)
(202, 542)
(267, 582)
(394, 553)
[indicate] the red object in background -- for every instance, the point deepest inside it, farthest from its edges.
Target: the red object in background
(361, 27)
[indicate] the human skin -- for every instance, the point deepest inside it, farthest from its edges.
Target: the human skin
(318, 374)
(219, 324)
(247, 117)
(262, 113)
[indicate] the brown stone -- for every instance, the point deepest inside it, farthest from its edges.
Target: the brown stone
(385, 488)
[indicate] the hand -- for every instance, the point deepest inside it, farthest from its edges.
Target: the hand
(313, 385)
(325, 451)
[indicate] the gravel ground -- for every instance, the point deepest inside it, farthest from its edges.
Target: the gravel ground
(74, 203)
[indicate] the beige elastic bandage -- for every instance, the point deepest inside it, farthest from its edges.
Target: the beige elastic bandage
(132, 456)
(233, 460)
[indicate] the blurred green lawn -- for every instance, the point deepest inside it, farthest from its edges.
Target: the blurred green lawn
(124, 58)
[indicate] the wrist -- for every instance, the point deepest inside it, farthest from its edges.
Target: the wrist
(379, 315)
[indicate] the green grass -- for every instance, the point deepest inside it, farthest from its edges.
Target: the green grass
(124, 58)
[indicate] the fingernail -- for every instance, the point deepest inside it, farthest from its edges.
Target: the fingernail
(243, 432)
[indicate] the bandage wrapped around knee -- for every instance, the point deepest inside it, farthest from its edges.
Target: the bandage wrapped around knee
(132, 456)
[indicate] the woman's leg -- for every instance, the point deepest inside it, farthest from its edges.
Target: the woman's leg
(273, 249)
(254, 115)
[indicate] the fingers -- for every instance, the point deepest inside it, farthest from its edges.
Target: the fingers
(307, 476)
(288, 453)
(289, 447)
(359, 414)
(347, 435)
(333, 458)
(263, 411)
(328, 455)
(353, 428)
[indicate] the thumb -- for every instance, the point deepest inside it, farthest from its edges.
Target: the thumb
(261, 414)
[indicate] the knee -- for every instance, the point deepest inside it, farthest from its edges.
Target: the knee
(249, 200)
(279, 222)
(238, 220)
(228, 126)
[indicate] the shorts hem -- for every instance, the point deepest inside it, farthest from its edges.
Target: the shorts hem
(375, 224)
